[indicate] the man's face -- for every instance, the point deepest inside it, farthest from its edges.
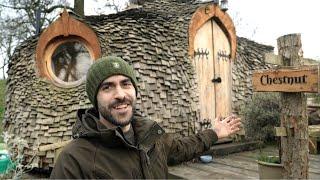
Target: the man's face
(116, 100)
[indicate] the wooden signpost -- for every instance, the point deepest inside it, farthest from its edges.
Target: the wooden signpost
(302, 79)
(292, 80)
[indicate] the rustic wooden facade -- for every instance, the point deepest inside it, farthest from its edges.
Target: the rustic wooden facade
(163, 41)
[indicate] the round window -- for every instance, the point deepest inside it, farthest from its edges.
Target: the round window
(69, 63)
(65, 51)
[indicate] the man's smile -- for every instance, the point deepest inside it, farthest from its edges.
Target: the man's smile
(121, 108)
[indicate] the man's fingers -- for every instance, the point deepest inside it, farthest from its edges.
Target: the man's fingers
(234, 121)
(228, 119)
(237, 125)
(235, 130)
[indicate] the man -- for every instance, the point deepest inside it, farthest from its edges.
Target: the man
(109, 142)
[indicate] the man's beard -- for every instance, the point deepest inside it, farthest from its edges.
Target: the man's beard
(105, 112)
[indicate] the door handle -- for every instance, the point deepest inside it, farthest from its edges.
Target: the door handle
(216, 80)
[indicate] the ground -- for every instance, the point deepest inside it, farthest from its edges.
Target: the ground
(241, 165)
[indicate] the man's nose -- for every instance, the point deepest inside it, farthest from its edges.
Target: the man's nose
(119, 93)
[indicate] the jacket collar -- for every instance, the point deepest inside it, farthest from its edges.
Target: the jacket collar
(88, 126)
(146, 132)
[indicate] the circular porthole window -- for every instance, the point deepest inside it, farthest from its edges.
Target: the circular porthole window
(65, 51)
(68, 62)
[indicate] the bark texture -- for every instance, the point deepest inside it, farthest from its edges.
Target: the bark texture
(294, 146)
(79, 7)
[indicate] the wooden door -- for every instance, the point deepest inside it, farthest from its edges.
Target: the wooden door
(212, 63)
(223, 69)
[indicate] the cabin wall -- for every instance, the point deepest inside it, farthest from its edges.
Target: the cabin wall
(43, 113)
(250, 56)
(166, 78)
(156, 44)
(37, 110)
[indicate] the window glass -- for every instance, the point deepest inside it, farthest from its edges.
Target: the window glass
(70, 61)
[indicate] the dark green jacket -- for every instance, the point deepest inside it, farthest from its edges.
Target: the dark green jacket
(97, 152)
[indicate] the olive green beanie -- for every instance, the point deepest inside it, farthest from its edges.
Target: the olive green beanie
(102, 69)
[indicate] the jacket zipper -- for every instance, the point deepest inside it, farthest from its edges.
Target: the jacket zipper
(145, 154)
(146, 157)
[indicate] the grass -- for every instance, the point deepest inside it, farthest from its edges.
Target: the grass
(269, 159)
(2, 104)
(2, 146)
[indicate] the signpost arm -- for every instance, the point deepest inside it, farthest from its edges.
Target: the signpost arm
(294, 146)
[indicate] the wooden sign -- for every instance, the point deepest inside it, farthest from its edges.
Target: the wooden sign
(280, 131)
(302, 79)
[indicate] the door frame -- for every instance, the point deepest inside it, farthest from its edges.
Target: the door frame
(202, 15)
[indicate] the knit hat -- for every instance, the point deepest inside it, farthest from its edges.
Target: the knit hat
(102, 69)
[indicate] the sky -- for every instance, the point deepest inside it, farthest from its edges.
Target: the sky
(264, 21)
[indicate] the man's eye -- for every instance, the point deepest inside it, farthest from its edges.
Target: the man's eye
(105, 88)
(127, 83)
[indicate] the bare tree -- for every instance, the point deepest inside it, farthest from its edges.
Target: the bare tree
(21, 19)
(111, 6)
(116, 6)
(79, 7)
(138, 2)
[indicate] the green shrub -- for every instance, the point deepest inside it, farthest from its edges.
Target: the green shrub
(261, 115)
(2, 103)
(269, 159)
(314, 96)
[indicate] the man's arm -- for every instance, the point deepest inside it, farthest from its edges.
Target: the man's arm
(187, 148)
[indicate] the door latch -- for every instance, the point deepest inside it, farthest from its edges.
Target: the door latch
(216, 80)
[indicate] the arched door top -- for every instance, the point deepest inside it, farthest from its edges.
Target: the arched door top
(205, 13)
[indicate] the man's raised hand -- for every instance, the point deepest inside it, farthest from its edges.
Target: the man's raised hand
(227, 126)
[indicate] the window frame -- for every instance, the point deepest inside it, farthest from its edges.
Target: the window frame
(66, 28)
(48, 61)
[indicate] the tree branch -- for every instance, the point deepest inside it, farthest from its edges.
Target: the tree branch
(52, 8)
(12, 7)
